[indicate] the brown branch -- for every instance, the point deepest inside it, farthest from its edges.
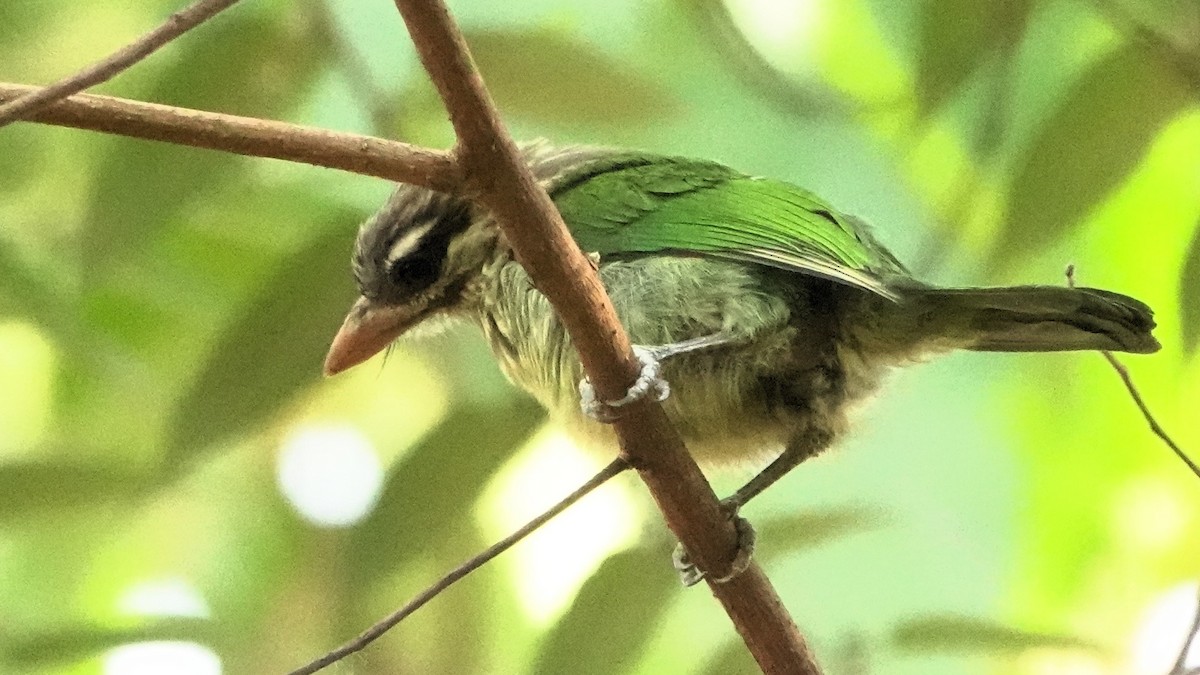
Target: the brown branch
(1136, 395)
(364, 155)
(387, 623)
(499, 178)
(177, 24)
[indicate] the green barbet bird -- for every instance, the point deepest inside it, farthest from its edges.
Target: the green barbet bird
(772, 312)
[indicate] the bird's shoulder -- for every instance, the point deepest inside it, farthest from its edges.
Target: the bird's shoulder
(627, 203)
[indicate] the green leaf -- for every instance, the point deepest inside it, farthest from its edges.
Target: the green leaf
(957, 37)
(249, 61)
(432, 488)
(1189, 297)
(1087, 148)
(21, 19)
(21, 290)
(550, 78)
(273, 349)
(35, 489)
(959, 634)
(21, 653)
(613, 616)
(22, 158)
(798, 531)
(805, 98)
(732, 658)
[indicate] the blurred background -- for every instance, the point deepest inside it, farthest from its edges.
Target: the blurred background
(181, 492)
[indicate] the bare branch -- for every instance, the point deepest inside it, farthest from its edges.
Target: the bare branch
(502, 183)
(1136, 395)
(177, 24)
(364, 155)
(374, 632)
(1157, 429)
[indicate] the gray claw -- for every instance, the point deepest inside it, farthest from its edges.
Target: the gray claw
(649, 382)
(747, 539)
(690, 575)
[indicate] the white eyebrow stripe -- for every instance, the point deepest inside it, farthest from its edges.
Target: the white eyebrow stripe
(407, 242)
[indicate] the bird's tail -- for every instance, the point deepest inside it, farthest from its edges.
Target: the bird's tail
(1036, 319)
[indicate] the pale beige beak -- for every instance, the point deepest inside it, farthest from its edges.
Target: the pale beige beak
(366, 331)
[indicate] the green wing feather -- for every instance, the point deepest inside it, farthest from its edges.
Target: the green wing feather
(656, 204)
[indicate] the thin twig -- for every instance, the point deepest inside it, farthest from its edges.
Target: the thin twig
(1123, 372)
(1180, 667)
(387, 623)
(177, 24)
(1136, 395)
(364, 155)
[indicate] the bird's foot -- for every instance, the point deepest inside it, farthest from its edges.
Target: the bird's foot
(690, 575)
(648, 383)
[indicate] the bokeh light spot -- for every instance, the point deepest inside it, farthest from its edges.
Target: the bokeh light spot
(163, 597)
(553, 562)
(779, 26)
(27, 357)
(156, 658)
(331, 475)
(1163, 630)
(1149, 513)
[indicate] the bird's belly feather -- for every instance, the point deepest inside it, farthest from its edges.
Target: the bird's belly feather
(725, 401)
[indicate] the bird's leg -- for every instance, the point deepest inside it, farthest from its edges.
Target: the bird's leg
(649, 381)
(800, 447)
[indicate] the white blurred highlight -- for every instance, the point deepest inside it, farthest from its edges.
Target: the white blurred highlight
(163, 597)
(554, 561)
(156, 658)
(331, 475)
(1151, 514)
(780, 27)
(1164, 628)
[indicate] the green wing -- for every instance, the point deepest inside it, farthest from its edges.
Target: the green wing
(655, 204)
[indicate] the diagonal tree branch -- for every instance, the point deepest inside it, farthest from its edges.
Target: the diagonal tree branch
(494, 171)
(177, 24)
(364, 155)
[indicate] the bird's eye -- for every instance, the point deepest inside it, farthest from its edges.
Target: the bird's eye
(415, 272)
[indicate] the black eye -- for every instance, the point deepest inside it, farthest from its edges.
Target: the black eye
(416, 272)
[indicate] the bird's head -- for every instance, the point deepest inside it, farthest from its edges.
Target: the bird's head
(415, 258)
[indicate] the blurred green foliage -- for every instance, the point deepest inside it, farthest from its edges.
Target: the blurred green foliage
(163, 312)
